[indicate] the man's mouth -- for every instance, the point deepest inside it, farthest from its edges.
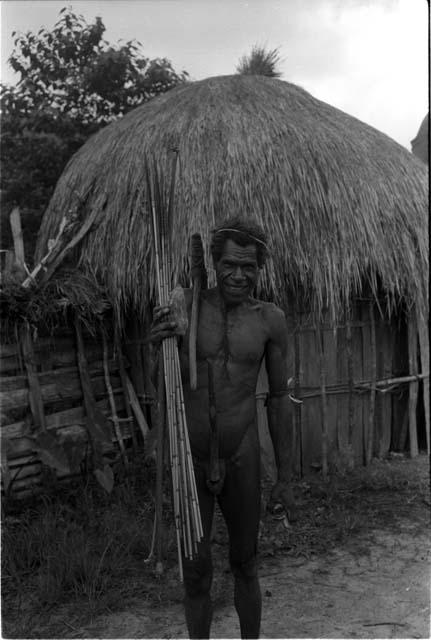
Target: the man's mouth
(235, 288)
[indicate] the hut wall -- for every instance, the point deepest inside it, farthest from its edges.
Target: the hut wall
(356, 367)
(331, 377)
(52, 372)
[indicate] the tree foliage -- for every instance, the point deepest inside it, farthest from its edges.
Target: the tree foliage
(71, 83)
(260, 62)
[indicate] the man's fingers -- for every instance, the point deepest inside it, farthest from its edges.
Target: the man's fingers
(160, 312)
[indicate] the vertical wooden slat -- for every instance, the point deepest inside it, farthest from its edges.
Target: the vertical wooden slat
(413, 388)
(34, 391)
(425, 369)
(400, 367)
(342, 400)
(297, 383)
(373, 359)
(87, 390)
(349, 354)
(385, 362)
(323, 398)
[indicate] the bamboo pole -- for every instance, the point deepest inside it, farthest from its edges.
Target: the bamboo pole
(324, 401)
(159, 466)
(413, 388)
(370, 434)
(185, 513)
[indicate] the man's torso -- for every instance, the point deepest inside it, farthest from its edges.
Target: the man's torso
(234, 342)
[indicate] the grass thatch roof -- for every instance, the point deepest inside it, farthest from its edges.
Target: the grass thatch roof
(341, 202)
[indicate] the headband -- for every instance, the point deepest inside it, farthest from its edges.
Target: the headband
(244, 233)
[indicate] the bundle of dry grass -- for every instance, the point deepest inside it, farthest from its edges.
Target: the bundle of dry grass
(343, 205)
(47, 307)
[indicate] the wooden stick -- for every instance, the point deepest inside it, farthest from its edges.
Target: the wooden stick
(324, 402)
(53, 250)
(35, 393)
(198, 274)
(85, 228)
(193, 333)
(18, 243)
(413, 389)
(134, 403)
(117, 428)
(370, 434)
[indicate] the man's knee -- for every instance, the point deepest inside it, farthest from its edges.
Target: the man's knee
(197, 576)
(244, 569)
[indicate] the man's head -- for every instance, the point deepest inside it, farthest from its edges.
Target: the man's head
(238, 250)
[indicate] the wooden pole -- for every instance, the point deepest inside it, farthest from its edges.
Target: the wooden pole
(198, 277)
(425, 366)
(297, 383)
(370, 434)
(134, 403)
(413, 388)
(34, 391)
(349, 353)
(324, 400)
(18, 243)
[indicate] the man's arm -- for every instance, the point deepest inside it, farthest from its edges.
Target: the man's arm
(280, 420)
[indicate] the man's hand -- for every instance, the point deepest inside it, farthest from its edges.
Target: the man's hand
(282, 494)
(162, 326)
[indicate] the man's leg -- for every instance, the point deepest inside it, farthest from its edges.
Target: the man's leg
(240, 505)
(198, 572)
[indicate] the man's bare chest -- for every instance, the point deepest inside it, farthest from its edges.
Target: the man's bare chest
(239, 335)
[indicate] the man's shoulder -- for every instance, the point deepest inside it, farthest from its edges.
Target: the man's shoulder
(269, 309)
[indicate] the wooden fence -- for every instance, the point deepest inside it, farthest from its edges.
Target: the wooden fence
(55, 384)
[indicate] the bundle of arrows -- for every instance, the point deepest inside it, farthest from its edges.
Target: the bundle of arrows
(188, 525)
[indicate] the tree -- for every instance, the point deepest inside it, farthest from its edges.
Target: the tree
(71, 83)
(260, 62)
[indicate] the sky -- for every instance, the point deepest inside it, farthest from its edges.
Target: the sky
(366, 57)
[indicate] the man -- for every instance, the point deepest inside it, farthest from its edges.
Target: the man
(235, 333)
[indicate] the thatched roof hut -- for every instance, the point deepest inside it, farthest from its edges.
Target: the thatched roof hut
(343, 205)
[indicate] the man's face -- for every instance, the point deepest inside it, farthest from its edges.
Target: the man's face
(237, 272)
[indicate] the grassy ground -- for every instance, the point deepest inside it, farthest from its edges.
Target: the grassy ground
(82, 553)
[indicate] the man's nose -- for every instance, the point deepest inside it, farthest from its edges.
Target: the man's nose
(238, 273)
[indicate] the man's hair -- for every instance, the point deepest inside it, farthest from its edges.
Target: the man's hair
(243, 233)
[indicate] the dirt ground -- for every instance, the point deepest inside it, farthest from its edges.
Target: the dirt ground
(355, 565)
